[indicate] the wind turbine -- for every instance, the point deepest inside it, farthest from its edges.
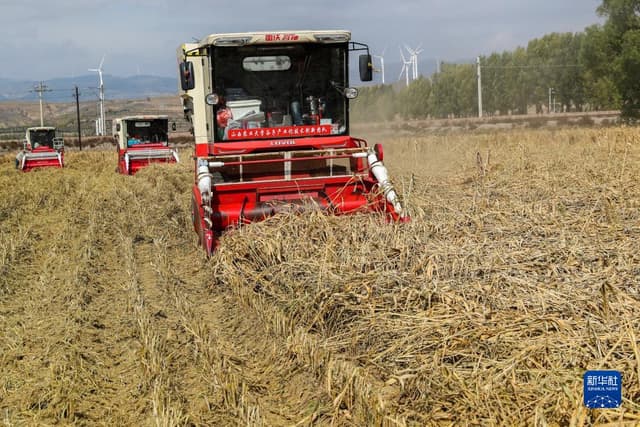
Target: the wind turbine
(100, 128)
(405, 67)
(381, 58)
(414, 59)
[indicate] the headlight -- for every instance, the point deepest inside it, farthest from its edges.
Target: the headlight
(231, 41)
(351, 92)
(212, 99)
(332, 38)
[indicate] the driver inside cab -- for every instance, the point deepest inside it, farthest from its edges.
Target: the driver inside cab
(133, 140)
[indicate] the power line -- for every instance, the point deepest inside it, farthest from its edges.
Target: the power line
(532, 66)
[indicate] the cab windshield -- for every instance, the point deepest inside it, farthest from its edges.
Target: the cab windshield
(283, 91)
(146, 131)
(42, 137)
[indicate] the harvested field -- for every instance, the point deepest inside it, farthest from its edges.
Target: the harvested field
(519, 271)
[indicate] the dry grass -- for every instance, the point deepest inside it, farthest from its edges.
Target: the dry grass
(518, 272)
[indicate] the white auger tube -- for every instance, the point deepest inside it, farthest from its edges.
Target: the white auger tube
(205, 179)
(126, 162)
(380, 172)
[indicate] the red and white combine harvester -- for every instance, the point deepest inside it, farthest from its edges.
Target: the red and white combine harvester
(270, 116)
(142, 140)
(41, 148)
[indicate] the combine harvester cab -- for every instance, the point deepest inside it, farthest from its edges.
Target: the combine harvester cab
(41, 148)
(142, 140)
(270, 116)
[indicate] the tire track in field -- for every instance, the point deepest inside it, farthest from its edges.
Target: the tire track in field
(220, 366)
(219, 361)
(155, 352)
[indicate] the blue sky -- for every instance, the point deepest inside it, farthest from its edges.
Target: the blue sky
(44, 39)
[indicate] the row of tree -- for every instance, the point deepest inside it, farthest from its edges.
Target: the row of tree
(597, 69)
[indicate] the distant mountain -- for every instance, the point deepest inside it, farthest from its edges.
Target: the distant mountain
(62, 89)
(143, 86)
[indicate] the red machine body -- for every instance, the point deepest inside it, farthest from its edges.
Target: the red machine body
(270, 119)
(140, 141)
(249, 184)
(41, 148)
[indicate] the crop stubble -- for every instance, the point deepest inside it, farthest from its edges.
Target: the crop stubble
(518, 272)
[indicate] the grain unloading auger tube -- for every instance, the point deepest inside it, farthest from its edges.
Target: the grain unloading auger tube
(232, 190)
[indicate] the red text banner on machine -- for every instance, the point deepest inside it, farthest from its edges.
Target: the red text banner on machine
(281, 37)
(285, 131)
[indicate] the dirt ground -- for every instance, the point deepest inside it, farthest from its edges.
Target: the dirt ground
(518, 272)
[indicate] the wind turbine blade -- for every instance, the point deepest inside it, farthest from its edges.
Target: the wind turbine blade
(101, 62)
(403, 70)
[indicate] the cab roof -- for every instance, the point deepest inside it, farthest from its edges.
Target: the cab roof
(144, 117)
(276, 37)
(40, 128)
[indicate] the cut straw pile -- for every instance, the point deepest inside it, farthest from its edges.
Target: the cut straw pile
(519, 272)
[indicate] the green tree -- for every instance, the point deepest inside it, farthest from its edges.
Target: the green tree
(495, 73)
(374, 103)
(601, 92)
(629, 69)
(413, 100)
(453, 92)
(621, 32)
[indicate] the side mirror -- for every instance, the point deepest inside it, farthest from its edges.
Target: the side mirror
(366, 68)
(187, 79)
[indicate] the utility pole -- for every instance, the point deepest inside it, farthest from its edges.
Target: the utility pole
(100, 128)
(381, 58)
(77, 96)
(479, 88)
(40, 89)
(102, 121)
